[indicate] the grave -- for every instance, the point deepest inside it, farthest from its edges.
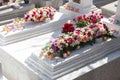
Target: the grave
(42, 3)
(11, 11)
(14, 56)
(78, 7)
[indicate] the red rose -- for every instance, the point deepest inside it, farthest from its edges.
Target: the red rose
(69, 40)
(68, 27)
(79, 18)
(74, 20)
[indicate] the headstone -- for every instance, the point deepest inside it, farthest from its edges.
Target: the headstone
(78, 7)
(117, 15)
(42, 3)
(9, 12)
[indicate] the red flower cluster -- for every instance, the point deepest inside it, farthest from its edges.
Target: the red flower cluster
(84, 20)
(68, 27)
(95, 17)
(40, 14)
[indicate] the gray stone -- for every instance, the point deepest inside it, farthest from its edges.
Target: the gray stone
(117, 15)
(110, 71)
(109, 9)
(32, 29)
(53, 70)
(84, 8)
(1, 74)
(42, 3)
(9, 12)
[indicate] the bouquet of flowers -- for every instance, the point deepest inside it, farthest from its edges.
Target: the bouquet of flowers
(68, 27)
(64, 44)
(84, 20)
(68, 7)
(16, 25)
(40, 14)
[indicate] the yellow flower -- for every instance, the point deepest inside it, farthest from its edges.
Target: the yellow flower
(6, 29)
(45, 55)
(51, 57)
(104, 38)
(68, 52)
(41, 52)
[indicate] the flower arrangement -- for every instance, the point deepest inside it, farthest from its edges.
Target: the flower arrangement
(40, 14)
(64, 44)
(68, 7)
(17, 25)
(84, 20)
(68, 27)
(113, 20)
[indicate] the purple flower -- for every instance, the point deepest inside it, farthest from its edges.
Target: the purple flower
(99, 33)
(51, 41)
(65, 55)
(54, 48)
(74, 20)
(55, 44)
(89, 34)
(77, 37)
(79, 18)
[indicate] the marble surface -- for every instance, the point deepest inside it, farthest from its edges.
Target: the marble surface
(117, 15)
(13, 58)
(76, 60)
(33, 29)
(54, 3)
(75, 14)
(10, 12)
(4, 78)
(109, 9)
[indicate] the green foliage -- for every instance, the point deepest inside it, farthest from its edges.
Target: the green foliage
(82, 23)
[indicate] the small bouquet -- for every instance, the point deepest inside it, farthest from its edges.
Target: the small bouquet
(40, 14)
(68, 27)
(16, 25)
(68, 7)
(84, 20)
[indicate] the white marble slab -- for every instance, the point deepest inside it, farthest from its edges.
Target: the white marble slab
(117, 15)
(14, 66)
(109, 9)
(8, 12)
(80, 57)
(42, 3)
(77, 59)
(13, 59)
(34, 29)
(75, 14)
